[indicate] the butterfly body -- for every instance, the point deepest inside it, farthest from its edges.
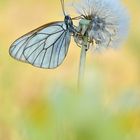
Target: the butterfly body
(44, 47)
(47, 46)
(69, 23)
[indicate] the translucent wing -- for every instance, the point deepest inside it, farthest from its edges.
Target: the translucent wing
(45, 47)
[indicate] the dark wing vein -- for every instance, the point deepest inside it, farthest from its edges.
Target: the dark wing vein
(24, 43)
(52, 45)
(60, 49)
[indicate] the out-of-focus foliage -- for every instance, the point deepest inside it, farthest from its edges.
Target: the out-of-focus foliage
(40, 104)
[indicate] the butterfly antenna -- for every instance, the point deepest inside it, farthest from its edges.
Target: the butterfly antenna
(77, 18)
(63, 8)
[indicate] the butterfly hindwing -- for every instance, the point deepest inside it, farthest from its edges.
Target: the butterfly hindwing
(45, 47)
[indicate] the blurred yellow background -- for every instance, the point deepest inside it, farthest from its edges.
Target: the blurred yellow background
(113, 77)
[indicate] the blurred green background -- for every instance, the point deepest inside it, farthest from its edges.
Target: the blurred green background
(38, 104)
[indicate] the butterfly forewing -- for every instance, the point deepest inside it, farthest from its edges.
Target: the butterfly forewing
(45, 47)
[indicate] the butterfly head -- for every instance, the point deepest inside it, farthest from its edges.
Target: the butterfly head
(67, 17)
(68, 21)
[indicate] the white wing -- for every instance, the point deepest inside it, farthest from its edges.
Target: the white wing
(45, 47)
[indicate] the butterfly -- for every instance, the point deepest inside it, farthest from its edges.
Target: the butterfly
(46, 46)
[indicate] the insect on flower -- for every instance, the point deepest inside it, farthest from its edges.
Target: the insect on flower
(46, 46)
(101, 25)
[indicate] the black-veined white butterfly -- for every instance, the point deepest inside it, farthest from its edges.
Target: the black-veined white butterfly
(46, 46)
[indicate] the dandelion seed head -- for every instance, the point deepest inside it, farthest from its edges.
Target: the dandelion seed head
(108, 21)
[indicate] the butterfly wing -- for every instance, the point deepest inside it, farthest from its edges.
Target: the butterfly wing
(45, 47)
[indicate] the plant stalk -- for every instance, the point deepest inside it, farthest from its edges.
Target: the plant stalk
(82, 66)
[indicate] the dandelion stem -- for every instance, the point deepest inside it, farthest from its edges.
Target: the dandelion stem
(82, 66)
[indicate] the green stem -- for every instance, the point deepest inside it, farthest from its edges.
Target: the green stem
(83, 28)
(82, 66)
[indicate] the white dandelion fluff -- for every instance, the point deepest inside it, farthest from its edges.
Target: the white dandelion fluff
(105, 22)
